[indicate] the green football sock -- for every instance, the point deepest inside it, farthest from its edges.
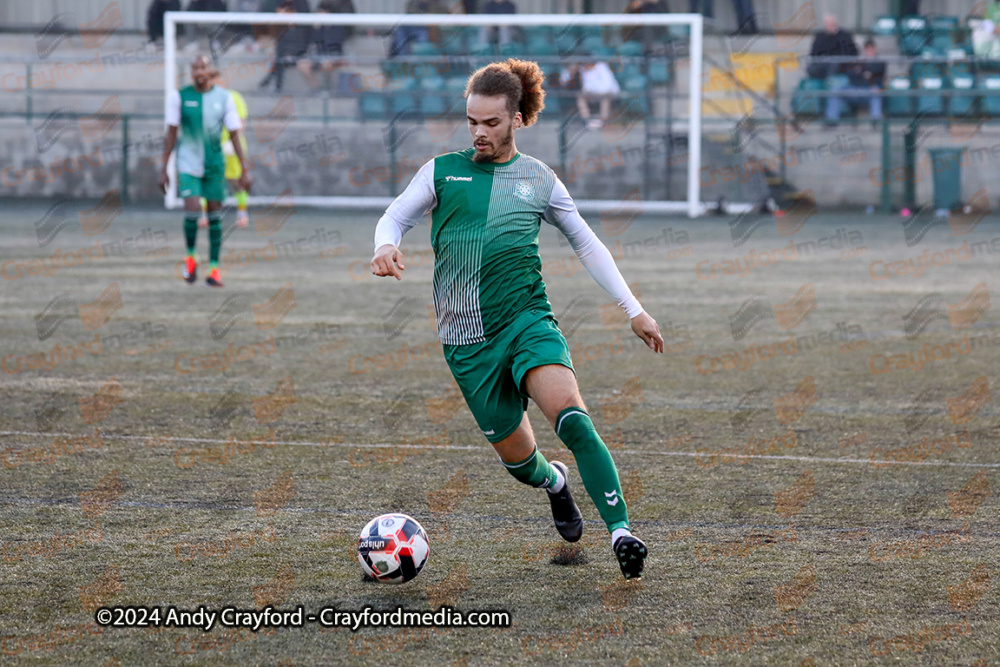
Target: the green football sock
(597, 469)
(241, 199)
(190, 232)
(214, 237)
(534, 471)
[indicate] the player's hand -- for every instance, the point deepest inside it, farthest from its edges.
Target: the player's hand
(645, 327)
(246, 181)
(388, 261)
(164, 180)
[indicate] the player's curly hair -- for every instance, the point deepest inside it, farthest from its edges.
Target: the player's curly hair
(519, 80)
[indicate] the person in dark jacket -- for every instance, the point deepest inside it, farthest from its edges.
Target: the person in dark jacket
(403, 35)
(486, 33)
(866, 78)
(292, 47)
(832, 41)
(327, 42)
(154, 17)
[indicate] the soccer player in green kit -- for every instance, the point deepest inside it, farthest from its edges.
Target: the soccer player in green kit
(495, 322)
(201, 111)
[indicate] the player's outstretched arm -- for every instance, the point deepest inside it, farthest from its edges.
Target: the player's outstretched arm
(246, 180)
(596, 257)
(169, 141)
(418, 199)
(172, 119)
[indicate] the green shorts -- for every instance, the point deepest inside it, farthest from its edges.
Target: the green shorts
(211, 186)
(491, 374)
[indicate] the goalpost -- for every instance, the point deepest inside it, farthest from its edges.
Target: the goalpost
(691, 204)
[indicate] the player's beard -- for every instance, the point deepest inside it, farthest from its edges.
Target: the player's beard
(505, 144)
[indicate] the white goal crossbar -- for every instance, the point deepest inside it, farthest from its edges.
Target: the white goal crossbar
(692, 205)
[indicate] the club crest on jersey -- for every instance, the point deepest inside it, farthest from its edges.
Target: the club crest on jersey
(524, 190)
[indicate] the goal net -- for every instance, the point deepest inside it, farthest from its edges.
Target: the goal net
(344, 108)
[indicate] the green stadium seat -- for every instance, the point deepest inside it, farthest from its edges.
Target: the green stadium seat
(885, 26)
(633, 83)
(921, 69)
(963, 100)
(482, 49)
(455, 40)
(541, 48)
(553, 103)
(401, 97)
(659, 71)
(805, 101)
(931, 103)
(512, 49)
(456, 84)
(433, 98)
(630, 49)
(899, 105)
(989, 86)
(629, 69)
(424, 49)
(941, 30)
(567, 43)
(913, 35)
(537, 34)
(959, 68)
(594, 44)
(371, 106)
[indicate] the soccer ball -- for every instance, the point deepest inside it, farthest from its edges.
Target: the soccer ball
(393, 548)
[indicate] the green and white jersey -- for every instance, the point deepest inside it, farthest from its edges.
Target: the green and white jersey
(485, 219)
(201, 117)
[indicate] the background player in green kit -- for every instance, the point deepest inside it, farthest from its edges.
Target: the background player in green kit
(494, 319)
(201, 111)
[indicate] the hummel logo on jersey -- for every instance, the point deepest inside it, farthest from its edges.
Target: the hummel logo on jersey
(612, 497)
(458, 178)
(190, 103)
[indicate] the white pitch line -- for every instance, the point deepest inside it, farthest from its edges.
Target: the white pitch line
(358, 445)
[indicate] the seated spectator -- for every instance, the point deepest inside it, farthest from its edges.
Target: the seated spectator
(597, 84)
(486, 33)
(650, 36)
(154, 17)
(291, 49)
(986, 34)
(830, 42)
(300, 6)
(404, 34)
(865, 81)
(196, 31)
(327, 40)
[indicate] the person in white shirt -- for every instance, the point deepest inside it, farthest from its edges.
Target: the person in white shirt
(597, 84)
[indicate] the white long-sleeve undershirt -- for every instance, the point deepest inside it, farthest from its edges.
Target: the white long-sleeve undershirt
(419, 199)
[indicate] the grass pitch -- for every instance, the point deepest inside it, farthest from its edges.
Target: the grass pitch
(808, 497)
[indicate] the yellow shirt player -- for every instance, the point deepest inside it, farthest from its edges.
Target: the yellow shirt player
(233, 168)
